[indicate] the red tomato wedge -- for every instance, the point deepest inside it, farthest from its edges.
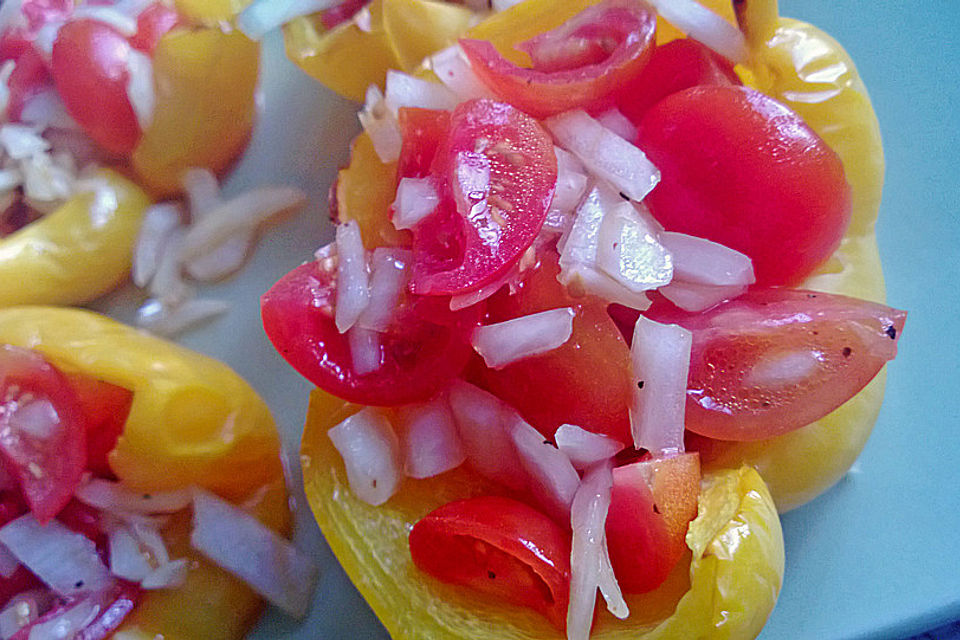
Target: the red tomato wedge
(42, 431)
(89, 67)
(774, 360)
(579, 65)
(651, 506)
(741, 169)
(424, 349)
(424, 132)
(500, 547)
(585, 382)
(28, 78)
(152, 24)
(677, 65)
(497, 172)
(106, 407)
(340, 13)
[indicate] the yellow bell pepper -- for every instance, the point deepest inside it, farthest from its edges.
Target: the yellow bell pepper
(725, 589)
(210, 12)
(79, 251)
(193, 422)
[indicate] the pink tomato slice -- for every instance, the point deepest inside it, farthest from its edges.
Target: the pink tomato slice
(579, 65)
(424, 132)
(152, 24)
(497, 172)
(774, 360)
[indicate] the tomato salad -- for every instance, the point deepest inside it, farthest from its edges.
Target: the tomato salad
(573, 276)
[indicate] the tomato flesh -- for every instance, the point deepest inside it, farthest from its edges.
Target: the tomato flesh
(152, 24)
(774, 360)
(497, 172)
(741, 169)
(106, 407)
(423, 132)
(579, 65)
(426, 347)
(498, 546)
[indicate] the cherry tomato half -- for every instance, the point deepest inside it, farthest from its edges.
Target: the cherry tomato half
(741, 169)
(774, 360)
(105, 407)
(579, 65)
(423, 132)
(424, 349)
(500, 547)
(152, 23)
(497, 172)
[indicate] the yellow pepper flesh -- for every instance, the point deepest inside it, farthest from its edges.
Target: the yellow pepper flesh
(210, 11)
(79, 251)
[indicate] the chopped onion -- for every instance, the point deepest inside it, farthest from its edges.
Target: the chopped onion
(614, 120)
(37, 418)
(45, 36)
(628, 251)
(481, 419)
(453, 69)
(263, 16)
(381, 125)
(503, 5)
(416, 199)
(364, 19)
(605, 154)
(113, 497)
(21, 142)
(167, 284)
(163, 321)
(203, 191)
(127, 560)
(571, 182)
(464, 300)
(140, 91)
(239, 543)
(661, 362)
(169, 575)
(505, 342)
(701, 261)
(405, 90)
(159, 222)
(699, 297)
(122, 22)
(366, 354)
(22, 610)
(8, 562)
(223, 260)
(390, 269)
(431, 444)
(146, 530)
(554, 481)
(45, 109)
(67, 562)
(68, 622)
(585, 448)
(702, 24)
(371, 455)
(353, 276)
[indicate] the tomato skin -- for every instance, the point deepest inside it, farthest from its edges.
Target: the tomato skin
(498, 546)
(497, 172)
(88, 68)
(551, 389)
(677, 65)
(736, 391)
(579, 65)
(729, 156)
(152, 23)
(425, 349)
(106, 407)
(423, 132)
(340, 13)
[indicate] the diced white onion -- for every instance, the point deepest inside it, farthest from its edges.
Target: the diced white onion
(704, 25)
(115, 498)
(614, 120)
(405, 90)
(365, 351)
(20, 141)
(585, 448)
(158, 224)
(371, 455)
(481, 421)
(140, 89)
(364, 19)
(8, 562)
(353, 276)
(389, 273)
(571, 182)
(127, 560)
(661, 362)
(239, 543)
(122, 22)
(701, 261)
(554, 481)
(699, 297)
(453, 69)
(431, 444)
(164, 321)
(628, 251)
(503, 5)
(68, 623)
(169, 575)
(223, 260)
(505, 342)
(45, 37)
(38, 419)
(21, 610)
(167, 284)
(605, 154)
(146, 529)
(464, 300)
(381, 125)
(67, 562)
(263, 16)
(203, 190)
(416, 199)
(45, 109)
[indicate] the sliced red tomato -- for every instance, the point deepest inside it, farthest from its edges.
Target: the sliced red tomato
(585, 382)
(774, 360)
(108, 609)
(106, 407)
(342, 12)
(423, 132)
(42, 430)
(741, 169)
(651, 506)
(498, 546)
(579, 65)
(90, 70)
(41, 12)
(152, 24)
(677, 65)
(426, 347)
(497, 172)
(28, 78)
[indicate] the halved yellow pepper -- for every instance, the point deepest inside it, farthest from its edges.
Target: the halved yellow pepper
(193, 422)
(210, 11)
(726, 588)
(79, 251)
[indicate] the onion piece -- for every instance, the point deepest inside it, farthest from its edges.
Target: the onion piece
(22, 610)
(45, 109)
(239, 543)
(127, 560)
(470, 298)
(263, 16)
(140, 91)
(203, 191)
(67, 562)
(371, 455)
(661, 362)
(431, 444)
(481, 419)
(66, 623)
(159, 222)
(416, 199)
(605, 154)
(389, 274)
(21, 142)
(381, 125)
(614, 120)
(453, 69)
(405, 90)
(505, 342)
(38, 418)
(353, 276)
(161, 320)
(702, 24)
(571, 182)
(553, 480)
(225, 259)
(366, 354)
(628, 251)
(503, 5)
(701, 261)
(699, 297)
(113, 497)
(585, 448)
(169, 575)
